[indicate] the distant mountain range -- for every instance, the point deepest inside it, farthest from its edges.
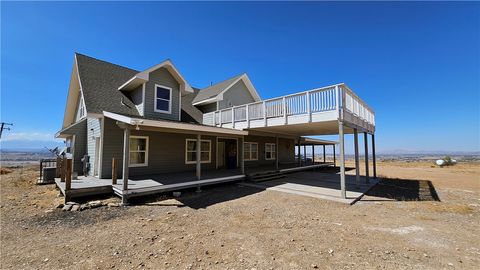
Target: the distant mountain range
(403, 152)
(28, 146)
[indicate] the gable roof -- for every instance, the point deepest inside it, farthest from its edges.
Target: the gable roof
(214, 90)
(99, 81)
(142, 77)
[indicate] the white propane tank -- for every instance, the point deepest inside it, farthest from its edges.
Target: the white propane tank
(440, 162)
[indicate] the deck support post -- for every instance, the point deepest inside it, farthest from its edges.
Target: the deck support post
(357, 161)
(68, 179)
(199, 158)
(374, 159)
(304, 155)
(334, 156)
(342, 159)
(324, 154)
(298, 155)
(313, 154)
(365, 139)
(276, 152)
(63, 168)
(242, 155)
(126, 161)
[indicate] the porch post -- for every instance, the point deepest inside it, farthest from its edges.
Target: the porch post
(366, 157)
(313, 154)
(324, 155)
(126, 160)
(199, 158)
(357, 161)
(342, 160)
(304, 155)
(242, 155)
(373, 157)
(276, 152)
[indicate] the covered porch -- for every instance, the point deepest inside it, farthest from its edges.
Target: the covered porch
(167, 182)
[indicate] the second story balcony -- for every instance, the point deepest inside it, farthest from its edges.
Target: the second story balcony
(316, 111)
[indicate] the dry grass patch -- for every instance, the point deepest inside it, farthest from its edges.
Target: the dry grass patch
(450, 208)
(5, 171)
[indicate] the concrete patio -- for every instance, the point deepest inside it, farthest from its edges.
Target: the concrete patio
(318, 184)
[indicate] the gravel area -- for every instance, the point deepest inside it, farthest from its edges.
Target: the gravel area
(404, 223)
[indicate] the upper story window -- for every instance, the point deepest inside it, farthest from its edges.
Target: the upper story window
(163, 99)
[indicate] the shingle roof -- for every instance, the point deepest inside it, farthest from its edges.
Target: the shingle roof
(191, 110)
(100, 81)
(214, 90)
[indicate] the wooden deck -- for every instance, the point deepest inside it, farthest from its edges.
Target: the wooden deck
(159, 183)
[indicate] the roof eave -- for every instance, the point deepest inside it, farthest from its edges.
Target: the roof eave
(134, 82)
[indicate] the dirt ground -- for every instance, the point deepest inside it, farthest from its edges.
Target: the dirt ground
(399, 225)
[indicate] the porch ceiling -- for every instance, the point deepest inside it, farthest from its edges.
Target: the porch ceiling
(70, 130)
(306, 129)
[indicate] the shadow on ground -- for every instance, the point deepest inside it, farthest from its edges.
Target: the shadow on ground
(208, 196)
(404, 190)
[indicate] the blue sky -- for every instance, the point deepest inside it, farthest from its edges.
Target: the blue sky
(416, 64)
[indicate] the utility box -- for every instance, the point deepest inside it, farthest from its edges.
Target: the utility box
(49, 174)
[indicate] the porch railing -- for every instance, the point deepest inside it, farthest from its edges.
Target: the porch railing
(302, 103)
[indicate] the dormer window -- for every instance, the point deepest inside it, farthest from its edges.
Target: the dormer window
(163, 99)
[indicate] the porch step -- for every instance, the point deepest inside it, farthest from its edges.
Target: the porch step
(265, 176)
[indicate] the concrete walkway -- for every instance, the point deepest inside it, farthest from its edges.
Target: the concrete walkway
(320, 185)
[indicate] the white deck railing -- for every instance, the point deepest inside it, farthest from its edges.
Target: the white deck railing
(304, 103)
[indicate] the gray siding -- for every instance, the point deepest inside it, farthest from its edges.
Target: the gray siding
(238, 94)
(112, 148)
(93, 131)
(137, 98)
(285, 150)
(166, 151)
(162, 77)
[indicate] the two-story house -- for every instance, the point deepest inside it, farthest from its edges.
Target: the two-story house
(153, 122)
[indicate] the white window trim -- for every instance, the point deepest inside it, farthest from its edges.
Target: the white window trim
(271, 144)
(209, 151)
(146, 152)
(250, 159)
(156, 99)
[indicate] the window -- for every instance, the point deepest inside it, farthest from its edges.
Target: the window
(270, 151)
(138, 151)
(191, 151)
(163, 99)
(81, 108)
(250, 151)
